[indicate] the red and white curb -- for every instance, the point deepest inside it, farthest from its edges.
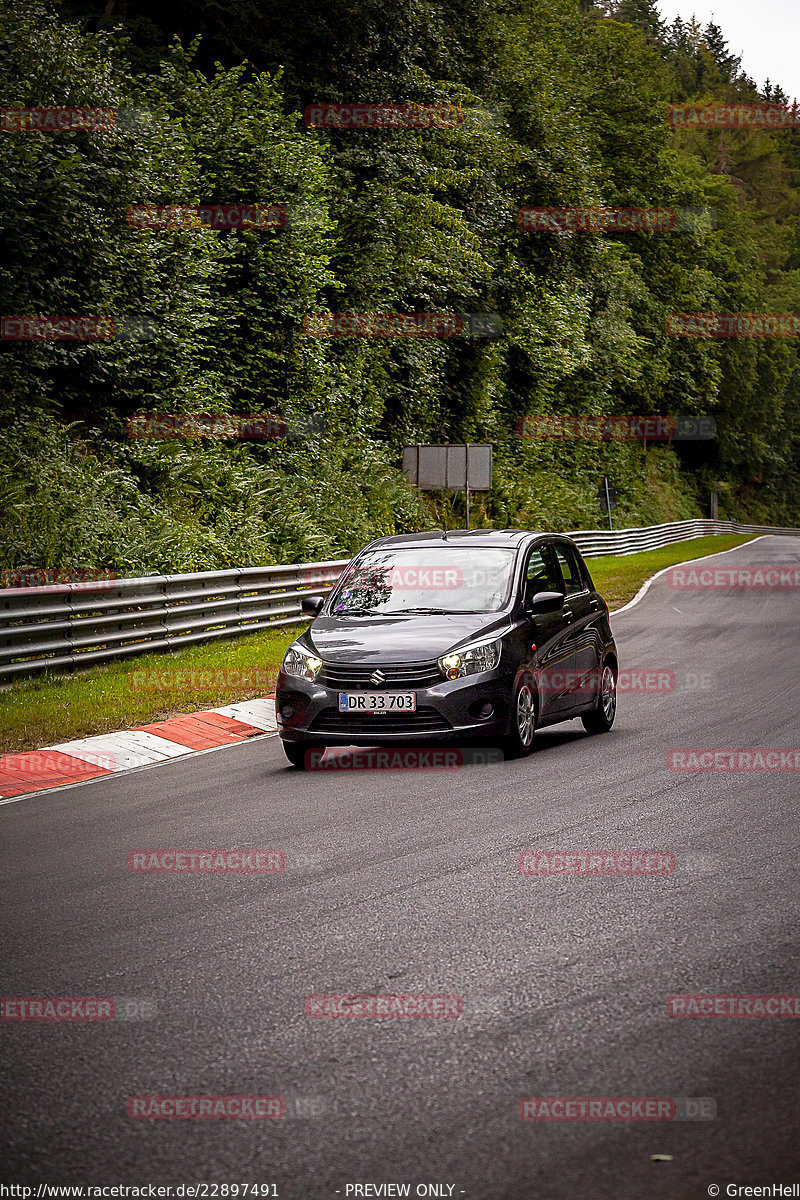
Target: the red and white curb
(108, 753)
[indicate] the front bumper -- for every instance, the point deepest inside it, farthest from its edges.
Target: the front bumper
(446, 711)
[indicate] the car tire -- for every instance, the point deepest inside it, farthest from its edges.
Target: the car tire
(601, 718)
(296, 753)
(522, 722)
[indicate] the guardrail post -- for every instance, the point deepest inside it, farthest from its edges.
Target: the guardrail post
(165, 602)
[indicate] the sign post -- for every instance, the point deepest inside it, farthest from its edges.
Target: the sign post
(607, 495)
(466, 478)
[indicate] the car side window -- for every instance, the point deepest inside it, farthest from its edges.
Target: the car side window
(570, 569)
(540, 575)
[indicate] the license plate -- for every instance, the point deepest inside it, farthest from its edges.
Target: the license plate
(377, 702)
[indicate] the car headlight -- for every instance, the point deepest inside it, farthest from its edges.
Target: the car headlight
(299, 663)
(482, 656)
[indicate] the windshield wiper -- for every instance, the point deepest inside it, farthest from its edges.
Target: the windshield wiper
(401, 612)
(439, 611)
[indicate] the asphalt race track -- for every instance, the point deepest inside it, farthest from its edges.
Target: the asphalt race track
(407, 882)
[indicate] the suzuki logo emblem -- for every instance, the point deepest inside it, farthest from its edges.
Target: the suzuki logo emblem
(377, 677)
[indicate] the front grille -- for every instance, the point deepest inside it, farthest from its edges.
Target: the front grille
(402, 676)
(424, 720)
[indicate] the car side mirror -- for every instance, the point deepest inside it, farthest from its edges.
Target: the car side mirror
(546, 602)
(312, 604)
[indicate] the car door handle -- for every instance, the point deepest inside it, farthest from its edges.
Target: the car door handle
(569, 615)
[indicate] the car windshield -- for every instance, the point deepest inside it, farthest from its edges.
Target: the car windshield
(434, 579)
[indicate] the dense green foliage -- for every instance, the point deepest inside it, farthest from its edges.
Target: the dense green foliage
(408, 221)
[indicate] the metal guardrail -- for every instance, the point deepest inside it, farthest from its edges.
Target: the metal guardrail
(63, 626)
(594, 543)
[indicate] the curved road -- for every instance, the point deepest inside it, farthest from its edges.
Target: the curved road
(408, 883)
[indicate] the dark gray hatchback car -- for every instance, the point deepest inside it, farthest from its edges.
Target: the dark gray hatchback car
(480, 636)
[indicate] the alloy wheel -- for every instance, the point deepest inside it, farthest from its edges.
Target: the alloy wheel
(608, 694)
(526, 716)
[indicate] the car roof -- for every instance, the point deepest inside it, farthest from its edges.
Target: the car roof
(505, 538)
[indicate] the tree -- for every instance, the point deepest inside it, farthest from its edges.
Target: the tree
(727, 64)
(644, 15)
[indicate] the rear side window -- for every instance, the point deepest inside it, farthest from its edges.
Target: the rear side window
(570, 569)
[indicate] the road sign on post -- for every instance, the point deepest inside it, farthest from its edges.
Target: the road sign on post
(607, 495)
(439, 468)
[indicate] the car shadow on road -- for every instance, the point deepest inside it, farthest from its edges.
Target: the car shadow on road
(443, 757)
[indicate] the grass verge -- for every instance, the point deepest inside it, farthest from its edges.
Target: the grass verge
(151, 687)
